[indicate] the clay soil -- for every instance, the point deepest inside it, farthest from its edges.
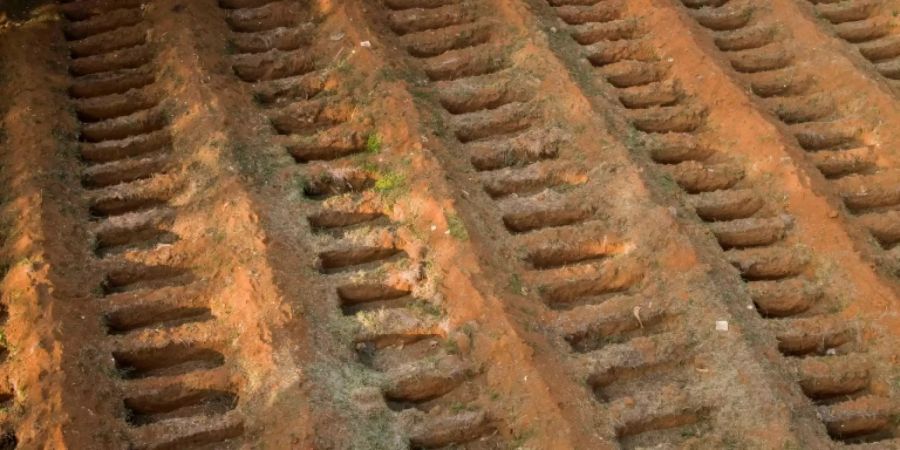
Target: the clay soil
(468, 224)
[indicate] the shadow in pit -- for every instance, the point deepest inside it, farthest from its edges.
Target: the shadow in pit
(22, 10)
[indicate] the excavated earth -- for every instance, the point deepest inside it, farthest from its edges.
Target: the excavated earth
(466, 224)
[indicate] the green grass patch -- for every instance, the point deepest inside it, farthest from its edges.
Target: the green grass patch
(390, 185)
(515, 284)
(456, 227)
(428, 308)
(373, 143)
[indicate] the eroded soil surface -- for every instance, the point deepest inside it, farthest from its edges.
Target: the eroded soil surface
(468, 224)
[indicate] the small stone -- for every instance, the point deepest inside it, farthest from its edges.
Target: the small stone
(721, 325)
(832, 214)
(553, 29)
(365, 44)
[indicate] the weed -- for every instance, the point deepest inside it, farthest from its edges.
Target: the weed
(428, 308)
(368, 320)
(469, 330)
(217, 235)
(21, 395)
(340, 63)
(836, 307)
(669, 184)
(422, 95)
(369, 167)
(388, 75)
(390, 185)
(520, 440)
(373, 143)
(599, 341)
(415, 231)
(389, 182)
(342, 386)
(395, 74)
(456, 227)
(566, 187)
(451, 346)
(731, 443)
(113, 372)
(437, 125)
(27, 262)
(458, 408)
(515, 284)
(65, 141)
(633, 139)
(169, 112)
(253, 163)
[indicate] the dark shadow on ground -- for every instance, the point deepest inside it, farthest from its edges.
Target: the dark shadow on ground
(19, 10)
